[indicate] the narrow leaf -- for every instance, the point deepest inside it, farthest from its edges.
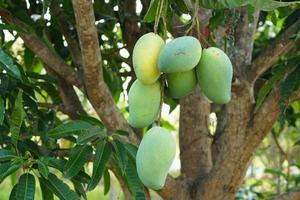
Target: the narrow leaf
(91, 134)
(69, 128)
(2, 110)
(267, 87)
(26, 187)
(103, 152)
(78, 157)
(13, 193)
(269, 5)
(47, 194)
(134, 182)
(59, 188)
(151, 13)
(120, 154)
(8, 64)
(79, 189)
(43, 166)
(106, 178)
(6, 155)
(122, 132)
(7, 169)
(10, 27)
(17, 118)
(131, 150)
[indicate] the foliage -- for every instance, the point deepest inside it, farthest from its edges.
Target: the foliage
(36, 136)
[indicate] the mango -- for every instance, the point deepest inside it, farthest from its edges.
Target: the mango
(214, 73)
(155, 156)
(181, 84)
(144, 103)
(145, 57)
(181, 54)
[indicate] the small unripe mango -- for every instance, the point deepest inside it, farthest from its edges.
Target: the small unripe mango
(181, 54)
(181, 84)
(144, 103)
(145, 57)
(214, 73)
(155, 156)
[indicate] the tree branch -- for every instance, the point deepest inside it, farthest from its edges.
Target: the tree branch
(64, 26)
(271, 54)
(97, 90)
(244, 39)
(175, 189)
(268, 113)
(71, 104)
(293, 195)
(49, 57)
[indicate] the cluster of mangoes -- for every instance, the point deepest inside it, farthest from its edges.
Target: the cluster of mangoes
(185, 64)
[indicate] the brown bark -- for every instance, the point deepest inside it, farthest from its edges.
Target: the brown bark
(244, 39)
(97, 90)
(195, 139)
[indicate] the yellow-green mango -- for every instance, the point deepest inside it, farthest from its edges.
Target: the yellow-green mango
(145, 56)
(155, 156)
(144, 103)
(214, 73)
(181, 84)
(181, 54)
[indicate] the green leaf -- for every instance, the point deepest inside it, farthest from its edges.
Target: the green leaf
(291, 82)
(133, 181)
(91, 134)
(69, 128)
(47, 194)
(268, 86)
(275, 172)
(120, 154)
(78, 157)
(184, 5)
(79, 189)
(57, 163)
(102, 155)
(8, 168)
(8, 64)
(26, 187)
(122, 132)
(2, 110)
(11, 27)
(222, 4)
(269, 5)
(131, 150)
(13, 193)
(6, 155)
(106, 178)
(151, 13)
(297, 143)
(59, 188)
(43, 166)
(17, 118)
(266, 5)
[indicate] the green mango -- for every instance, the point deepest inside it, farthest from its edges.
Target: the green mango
(214, 73)
(181, 84)
(144, 103)
(181, 54)
(145, 57)
(155, 156)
